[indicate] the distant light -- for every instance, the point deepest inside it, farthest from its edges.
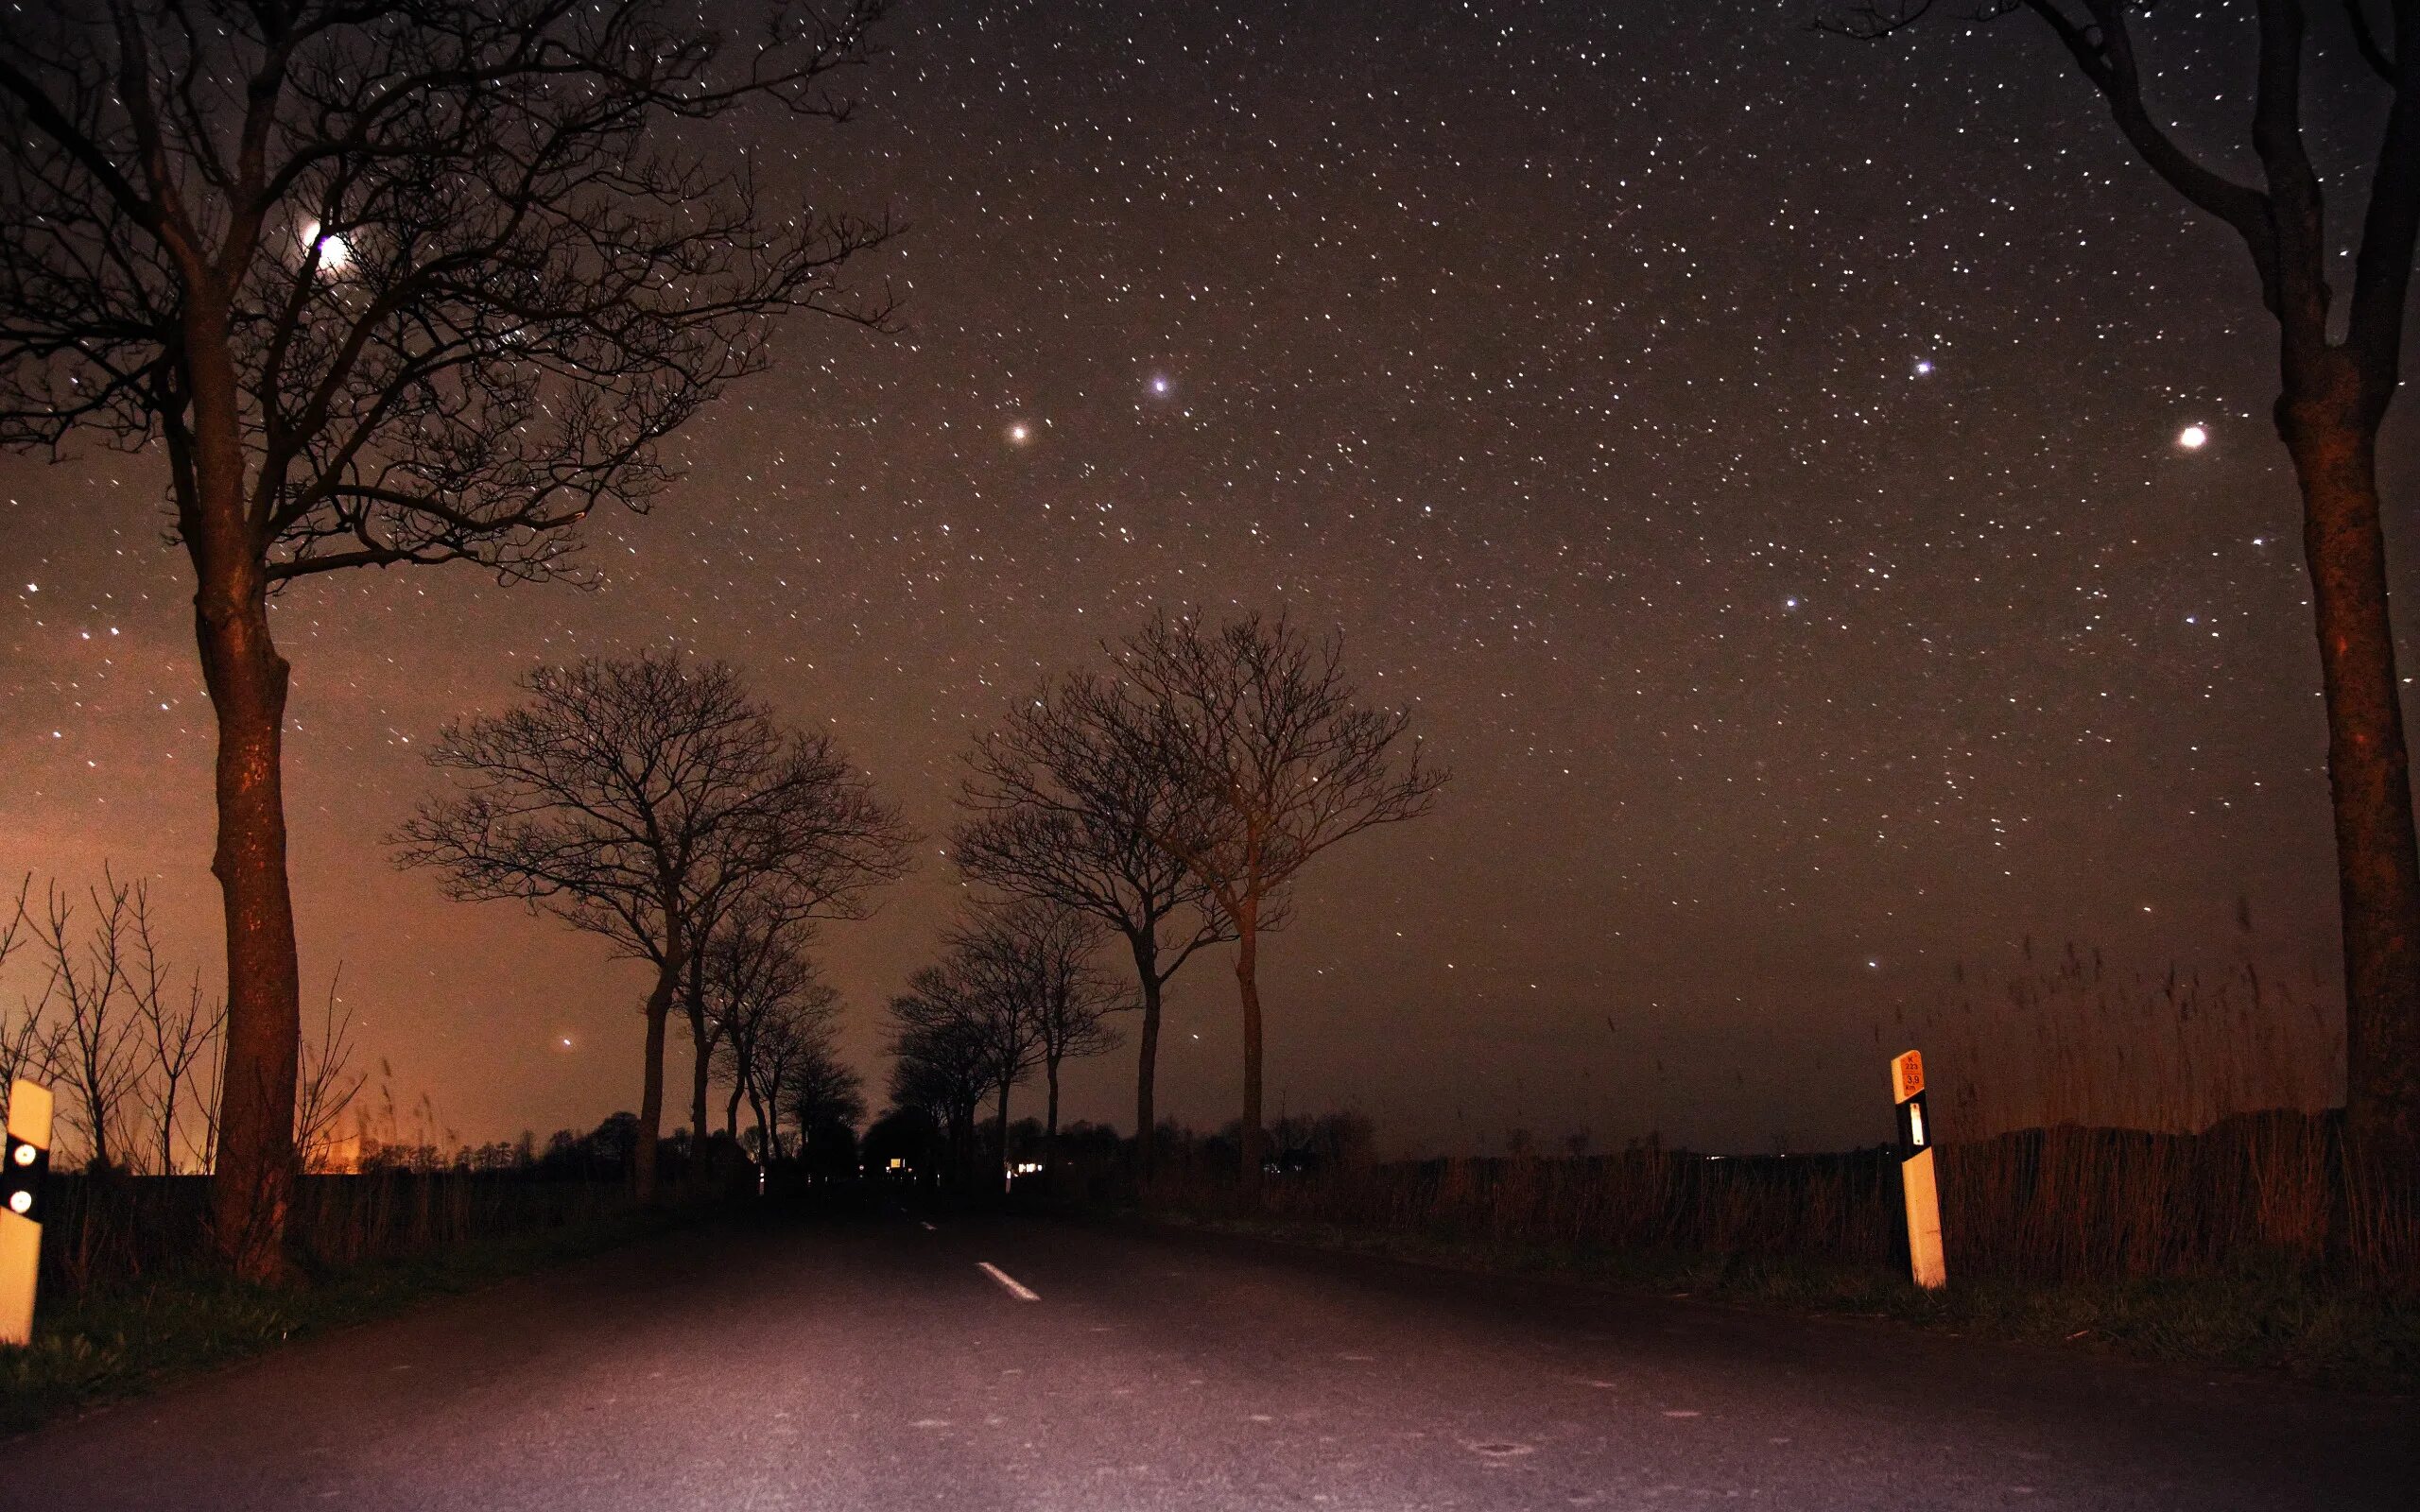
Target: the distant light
(1924, 367)
(1020, 432)
(2192, 438)
(1160, 385)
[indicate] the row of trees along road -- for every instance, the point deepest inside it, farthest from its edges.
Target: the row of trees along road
(652, 801)
(1014, 991)
(387, 286)
(398, 286)
(1175, 798)
(764, 1019)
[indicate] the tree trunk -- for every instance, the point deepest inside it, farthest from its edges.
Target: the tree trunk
(1247, 984)
(659, 1010)
(731, 1113)
(1000, 1138)
(168, 1131)
(252, 1187)
(697, 1006)
(1147, 1060)
(2331, 435)
(1050, 1121)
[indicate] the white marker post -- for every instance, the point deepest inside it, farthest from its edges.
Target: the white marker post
(1915, 1173)
(23, 1165)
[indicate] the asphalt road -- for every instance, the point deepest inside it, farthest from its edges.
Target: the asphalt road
(877, 1364)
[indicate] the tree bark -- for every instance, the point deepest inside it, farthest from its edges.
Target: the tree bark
(1247, 984)
(2330, 425)
(1050, 1121)
(1147, 1060)
(659, 1010)
(697, 1006)
(252, 1187)
(1000, 1138)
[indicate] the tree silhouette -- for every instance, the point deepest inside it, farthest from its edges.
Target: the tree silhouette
(2333, 393)
(389, 285)
(628, 797)
(943, 1062)
(1038, 957)
(1257, 732)
(1056, 813)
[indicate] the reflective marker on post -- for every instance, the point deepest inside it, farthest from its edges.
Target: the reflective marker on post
(1915, 1173)
(27, 1161)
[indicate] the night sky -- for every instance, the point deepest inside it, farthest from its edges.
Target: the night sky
(1755, 455)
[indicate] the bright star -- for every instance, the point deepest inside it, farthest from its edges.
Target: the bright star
(1924, 367)
(334, 253)
(1160, 385)
(1020, 432)
(2192, 438)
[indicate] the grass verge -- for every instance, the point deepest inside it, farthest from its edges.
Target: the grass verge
(119, 1342)
(2265, 1312)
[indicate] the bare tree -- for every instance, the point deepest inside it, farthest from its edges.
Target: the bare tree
(1257, 729)
(1056, 813)
(997, 989)
(796, 1032)
(328, 1083)
(1041, 954)
(93, 1050)
(24, 1037)
(393, 284)
(770, 1013)
(2333, 393)
(824, 1093)
(751, 959)
(948, 1058)
(174, 1031)
(941, 1072)
(631, 798)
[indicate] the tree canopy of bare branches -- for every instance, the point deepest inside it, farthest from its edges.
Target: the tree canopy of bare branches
(631, 797)
(109, 1026)
(1057, 814)
(93, 1049)
(943, 1059)
(1033, 962)
(386, 285)
(773, 1014)
(1272, 758)
(2333, 394)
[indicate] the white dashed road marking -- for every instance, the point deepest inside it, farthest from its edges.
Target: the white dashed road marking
(1007, 1283)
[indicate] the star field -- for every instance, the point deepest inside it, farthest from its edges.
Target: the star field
(1765, 463)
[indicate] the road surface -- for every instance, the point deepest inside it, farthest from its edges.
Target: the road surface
(1019, 1363)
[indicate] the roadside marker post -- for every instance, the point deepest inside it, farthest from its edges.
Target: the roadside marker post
(1916, 1182)
(23, 1166)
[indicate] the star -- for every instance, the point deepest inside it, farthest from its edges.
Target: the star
(1020, 432)
(2192, 438)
